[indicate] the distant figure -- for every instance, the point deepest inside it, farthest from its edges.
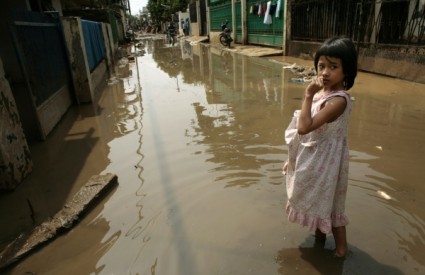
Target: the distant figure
(171, 28)
(171, 33)
(317, 166)
(187, 27)
(182, 26)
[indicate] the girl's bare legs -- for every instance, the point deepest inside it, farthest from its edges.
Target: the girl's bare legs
(340, 237)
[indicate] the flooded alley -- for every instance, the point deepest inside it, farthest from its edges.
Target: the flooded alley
(195, 135)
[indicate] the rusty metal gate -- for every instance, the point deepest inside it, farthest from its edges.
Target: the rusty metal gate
(385, 22)
(40, 48)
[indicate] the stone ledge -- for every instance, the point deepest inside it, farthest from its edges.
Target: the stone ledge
(90, 194)
(248, 50)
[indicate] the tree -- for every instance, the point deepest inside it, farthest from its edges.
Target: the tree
(133, 21)
(161, 10)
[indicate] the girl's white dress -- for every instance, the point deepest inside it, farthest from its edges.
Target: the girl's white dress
(317, 175)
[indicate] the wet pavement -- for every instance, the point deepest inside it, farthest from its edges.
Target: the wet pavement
(195, 135)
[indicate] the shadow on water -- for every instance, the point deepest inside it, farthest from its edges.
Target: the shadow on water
(179, 232)
(312, 257)
(168, 59)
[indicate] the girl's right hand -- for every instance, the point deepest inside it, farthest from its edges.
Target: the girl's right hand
(285, 168)
(315, 85)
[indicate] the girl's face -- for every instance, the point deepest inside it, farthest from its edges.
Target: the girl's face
(331, 71)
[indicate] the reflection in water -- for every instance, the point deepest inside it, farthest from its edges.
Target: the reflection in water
(195, 135)
(137, 228)
(311, 257)
(235, 132)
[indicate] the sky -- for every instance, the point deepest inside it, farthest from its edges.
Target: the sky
(136, 5)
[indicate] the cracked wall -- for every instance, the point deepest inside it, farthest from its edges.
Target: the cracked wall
(15, 157)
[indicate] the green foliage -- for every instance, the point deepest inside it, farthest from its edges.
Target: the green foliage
(132, 19)
(161, 10)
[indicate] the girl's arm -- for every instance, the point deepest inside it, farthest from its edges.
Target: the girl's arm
(285, 168)
(332, 109)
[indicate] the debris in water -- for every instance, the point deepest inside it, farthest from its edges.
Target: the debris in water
(297, 80)
(289, 66)
(112, 81)
(301, 79)
(384, 195)
(32, 211)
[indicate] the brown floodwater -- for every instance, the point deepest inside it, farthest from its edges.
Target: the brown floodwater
(195, 136)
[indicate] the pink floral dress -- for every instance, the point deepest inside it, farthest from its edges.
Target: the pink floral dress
(317, 175)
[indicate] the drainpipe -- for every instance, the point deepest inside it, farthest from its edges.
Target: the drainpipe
(286, 26)
(243, 23)
(233, 20)
(198, 17)
(208, 19)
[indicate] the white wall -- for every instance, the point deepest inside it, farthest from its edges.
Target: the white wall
(184, 16)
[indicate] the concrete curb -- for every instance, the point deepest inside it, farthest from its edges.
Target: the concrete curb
(248, 50)
(90, 194)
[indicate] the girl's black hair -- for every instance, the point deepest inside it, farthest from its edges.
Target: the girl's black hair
(344, 49)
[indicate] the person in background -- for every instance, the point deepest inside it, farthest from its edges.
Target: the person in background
(171, 32)
(182, 26)
(187, 27)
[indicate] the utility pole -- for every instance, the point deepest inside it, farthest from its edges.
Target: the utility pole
(128, 5)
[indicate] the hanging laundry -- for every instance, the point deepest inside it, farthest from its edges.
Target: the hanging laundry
(255, 10)
(267, 16)
(273, 9)
(277, 9)
(260, 10)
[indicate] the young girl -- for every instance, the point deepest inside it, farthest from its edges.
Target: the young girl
(317, 166)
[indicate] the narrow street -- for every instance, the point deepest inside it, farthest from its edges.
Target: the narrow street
(195, 135)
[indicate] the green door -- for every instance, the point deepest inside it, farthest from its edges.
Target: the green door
(259, 32)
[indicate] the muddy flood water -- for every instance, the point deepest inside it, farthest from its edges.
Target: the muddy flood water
(195, 136)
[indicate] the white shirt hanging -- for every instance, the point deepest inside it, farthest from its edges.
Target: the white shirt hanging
(277, 9)
(267, 16)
